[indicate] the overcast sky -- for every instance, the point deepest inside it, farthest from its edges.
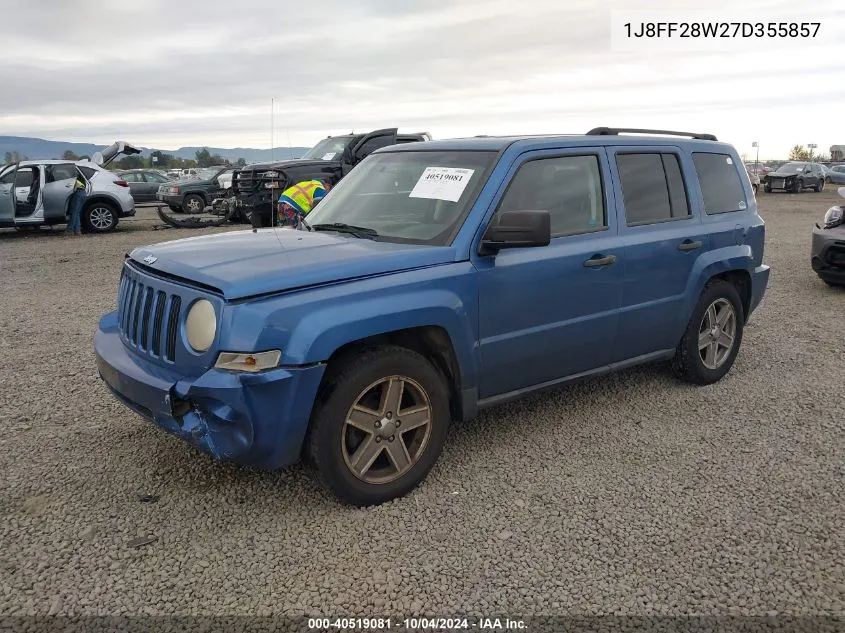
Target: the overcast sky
(173, 73)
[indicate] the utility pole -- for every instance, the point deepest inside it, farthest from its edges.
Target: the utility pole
(756, 160)
(272, 113)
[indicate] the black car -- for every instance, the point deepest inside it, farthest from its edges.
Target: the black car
(795, 176)
(194, 195)
(828, 250)
(143, 183)
(257, 186)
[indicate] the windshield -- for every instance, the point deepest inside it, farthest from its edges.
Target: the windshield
(328, 148)
(207, 173)
(418, 197)
(792, 167)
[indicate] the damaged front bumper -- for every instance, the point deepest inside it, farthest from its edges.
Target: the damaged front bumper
(256, 419)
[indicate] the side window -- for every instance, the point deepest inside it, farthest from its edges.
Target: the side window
(23, 178)
(132, 177)
(60, 172)
(652, 187)
(720, 183)
(88, 172)
(154, 178)
(568, 187)
(375, 143)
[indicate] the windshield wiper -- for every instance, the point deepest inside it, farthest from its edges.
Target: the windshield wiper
(340, 227)
(304, 223)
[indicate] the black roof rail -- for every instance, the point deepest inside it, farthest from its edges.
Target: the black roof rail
(614, 131)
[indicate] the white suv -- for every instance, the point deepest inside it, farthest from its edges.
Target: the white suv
(36, 192)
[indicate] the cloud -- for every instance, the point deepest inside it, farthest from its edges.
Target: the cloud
(203, 72)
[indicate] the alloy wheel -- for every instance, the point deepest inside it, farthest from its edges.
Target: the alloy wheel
(386, 430)
(717, 333)
(101, 218)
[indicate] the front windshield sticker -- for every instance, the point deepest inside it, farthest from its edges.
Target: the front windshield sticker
(442, 183)
(329, 156)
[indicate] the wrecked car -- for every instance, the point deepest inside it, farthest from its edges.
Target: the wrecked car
(37, 193)
(828, 250)
(257, 187)
(795, 176)
(195, 194)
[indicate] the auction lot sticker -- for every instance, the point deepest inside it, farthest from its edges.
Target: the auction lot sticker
(442, 183)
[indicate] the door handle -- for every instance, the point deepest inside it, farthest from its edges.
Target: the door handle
(598, 260)
(689, 245)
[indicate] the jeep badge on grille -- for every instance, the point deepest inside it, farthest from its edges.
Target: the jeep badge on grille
(150, 259)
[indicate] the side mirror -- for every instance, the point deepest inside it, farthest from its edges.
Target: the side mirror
(517, 229)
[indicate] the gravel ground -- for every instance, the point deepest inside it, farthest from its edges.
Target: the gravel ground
(631, 494)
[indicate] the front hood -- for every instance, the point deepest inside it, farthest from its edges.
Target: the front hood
(254, 262)
(782, 174)
(283, 164)
(193, 182)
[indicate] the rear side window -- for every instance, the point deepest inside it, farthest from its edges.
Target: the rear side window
(720, 183)
(88, 172)
(652, 187)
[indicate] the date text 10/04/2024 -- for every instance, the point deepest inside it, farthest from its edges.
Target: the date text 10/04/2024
(723, 29)
(416, 624)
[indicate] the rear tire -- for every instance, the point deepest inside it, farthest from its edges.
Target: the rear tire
(99, 217)
(357, 440)
(708, 348)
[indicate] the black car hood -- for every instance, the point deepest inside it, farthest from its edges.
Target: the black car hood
(294, 162)
(783, 174)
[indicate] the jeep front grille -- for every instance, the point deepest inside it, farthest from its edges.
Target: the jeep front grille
(143, 314)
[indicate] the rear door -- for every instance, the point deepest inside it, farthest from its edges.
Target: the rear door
(7, 195)
(58, 187)
(662, 233)
(152, 182)
(137, 185)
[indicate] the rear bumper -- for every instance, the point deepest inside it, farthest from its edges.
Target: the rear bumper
(255, 419)
(827, 256)
(759, 283)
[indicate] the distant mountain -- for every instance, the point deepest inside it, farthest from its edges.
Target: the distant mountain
(38, 148)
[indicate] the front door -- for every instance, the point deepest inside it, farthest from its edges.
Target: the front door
(58, 187)
(8, 198)
(153, 182)
(549, 312)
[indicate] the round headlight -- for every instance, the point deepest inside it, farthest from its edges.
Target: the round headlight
(201, 325)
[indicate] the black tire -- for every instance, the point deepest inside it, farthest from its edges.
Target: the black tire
(327, 441)
(819, 187)
(767, 189)
(687, 363)
(99, 217)
(175, 208)
(798, 187)
(193, 203)
(256, 220)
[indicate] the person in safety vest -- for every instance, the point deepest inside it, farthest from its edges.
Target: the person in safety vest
(297, 201)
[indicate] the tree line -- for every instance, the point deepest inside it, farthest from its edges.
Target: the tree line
(203, 158)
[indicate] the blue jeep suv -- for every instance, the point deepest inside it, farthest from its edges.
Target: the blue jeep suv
(437, 279)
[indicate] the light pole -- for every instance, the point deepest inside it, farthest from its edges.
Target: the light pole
(812, 146)
(756, 160)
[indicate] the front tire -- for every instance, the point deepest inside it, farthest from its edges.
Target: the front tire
(709, 346)
(798, 187)
(193, 203)
(819, 187)
(379, 425)
(99, 217)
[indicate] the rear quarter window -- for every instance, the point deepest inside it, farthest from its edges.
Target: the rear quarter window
(88, 172)
(720, 183)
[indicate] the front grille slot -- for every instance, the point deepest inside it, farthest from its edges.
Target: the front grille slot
(155, 346)
(145, 323)
(172, 328)
(136, 312)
